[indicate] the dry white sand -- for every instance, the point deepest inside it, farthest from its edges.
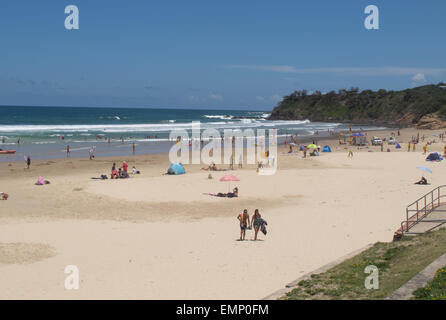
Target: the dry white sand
(159, 237)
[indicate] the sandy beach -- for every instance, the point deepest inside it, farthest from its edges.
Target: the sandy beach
(160, 237)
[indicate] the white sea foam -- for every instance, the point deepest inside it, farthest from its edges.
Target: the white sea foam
(222, 117)
(56, 130)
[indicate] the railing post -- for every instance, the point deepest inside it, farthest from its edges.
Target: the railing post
(432, 197)
(439, 202)
(407, 219)
(417, 211)
(425, 205)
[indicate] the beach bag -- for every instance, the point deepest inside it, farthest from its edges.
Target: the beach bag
(263, 227)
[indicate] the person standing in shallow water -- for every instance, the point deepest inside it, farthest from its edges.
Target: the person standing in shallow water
(243, 217)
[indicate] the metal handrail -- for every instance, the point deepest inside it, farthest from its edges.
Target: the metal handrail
(428, 207)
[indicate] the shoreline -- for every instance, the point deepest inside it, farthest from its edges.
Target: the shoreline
(161, 146)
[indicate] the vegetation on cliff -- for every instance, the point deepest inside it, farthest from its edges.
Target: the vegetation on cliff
(404, 108)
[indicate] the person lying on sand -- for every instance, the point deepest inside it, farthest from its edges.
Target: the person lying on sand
(423, 180)
(233, 194)
(213, 167)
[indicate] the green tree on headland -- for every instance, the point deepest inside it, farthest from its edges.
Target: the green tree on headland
(405, 107)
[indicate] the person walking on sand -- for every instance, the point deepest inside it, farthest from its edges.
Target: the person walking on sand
(243, 217)
(425, 149)
(28, 161)
(91, 152)
(350, 153)
(408, 147)
(68, 151)
(414, 146)
(134, 148)
(256, 221)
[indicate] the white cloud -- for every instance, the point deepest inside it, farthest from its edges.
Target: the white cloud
(365, 71)
(215, 96)
(419, 77)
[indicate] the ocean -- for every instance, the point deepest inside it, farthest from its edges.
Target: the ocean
(45, 132)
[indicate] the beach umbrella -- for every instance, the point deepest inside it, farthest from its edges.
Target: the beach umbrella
(425, 169)
(312, 146)
(358, 134)
(229, 178)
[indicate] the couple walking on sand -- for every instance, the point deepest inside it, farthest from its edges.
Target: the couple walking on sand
(246, 223)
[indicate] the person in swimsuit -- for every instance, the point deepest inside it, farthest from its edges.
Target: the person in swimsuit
(243, 217)
(256, 221)
(114, 172)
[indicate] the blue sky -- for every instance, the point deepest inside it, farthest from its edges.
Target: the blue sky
(213, 54)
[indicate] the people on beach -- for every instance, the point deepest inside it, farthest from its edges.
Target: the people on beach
(243, 218)
(423, 181)
(256, 221)
(91, 153)
(28, 161)
(350, 153)
(68, 151)
(134, 147)
(212, 167)
(114, 172)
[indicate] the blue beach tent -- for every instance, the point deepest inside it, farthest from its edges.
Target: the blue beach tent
(176, 168)
(326, 149)
(434, 156)
(397, 146)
